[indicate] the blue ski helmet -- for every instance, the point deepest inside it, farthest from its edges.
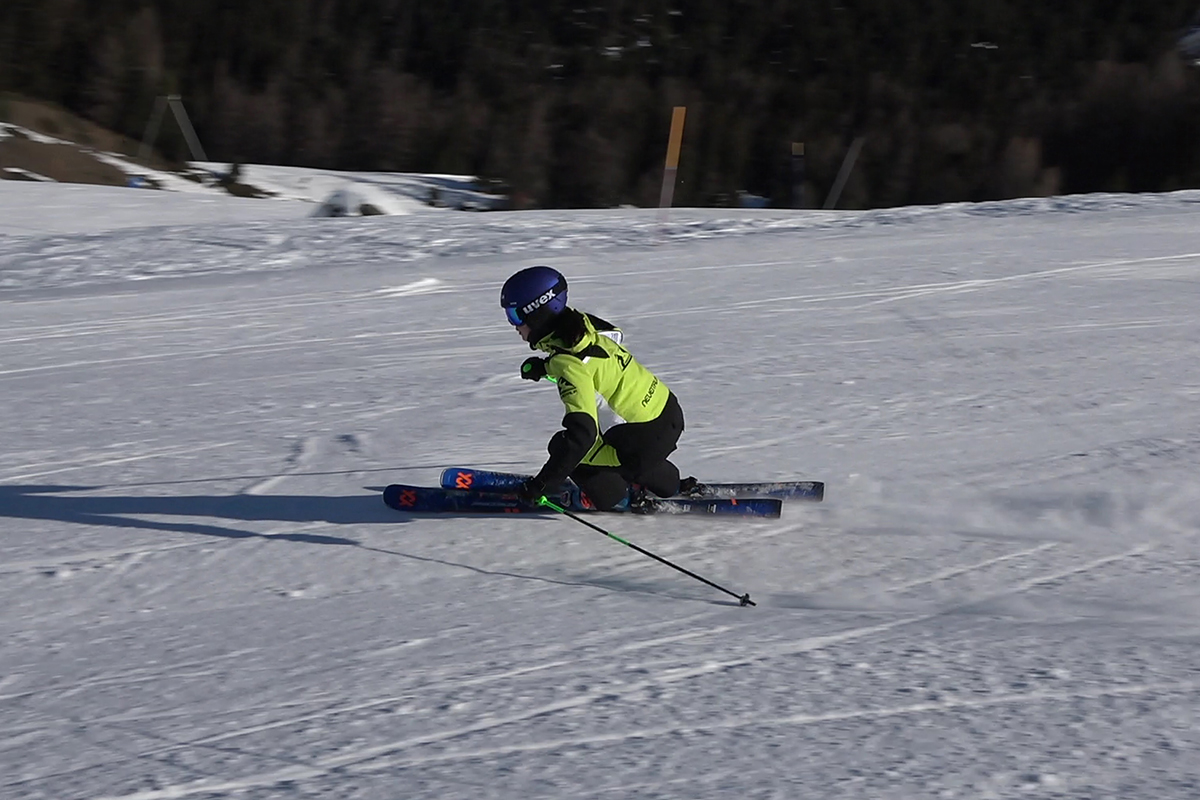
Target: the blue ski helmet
(534, 296)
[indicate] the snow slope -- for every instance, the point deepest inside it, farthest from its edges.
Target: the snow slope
(389, 192)
(203, 596)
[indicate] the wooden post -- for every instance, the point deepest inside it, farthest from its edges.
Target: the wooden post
(672, 167)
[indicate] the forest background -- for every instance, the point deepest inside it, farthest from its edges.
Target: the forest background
(568, 104)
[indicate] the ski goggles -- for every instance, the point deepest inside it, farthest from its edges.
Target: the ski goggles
(514, 316)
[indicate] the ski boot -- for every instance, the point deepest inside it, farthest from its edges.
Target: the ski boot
(640, 501)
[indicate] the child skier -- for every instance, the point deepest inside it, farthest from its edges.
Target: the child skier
(586, 358)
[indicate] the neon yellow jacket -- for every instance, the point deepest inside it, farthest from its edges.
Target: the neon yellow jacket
(595, 365)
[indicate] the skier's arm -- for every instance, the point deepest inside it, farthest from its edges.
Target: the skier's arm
(581, 428)
(575, 440)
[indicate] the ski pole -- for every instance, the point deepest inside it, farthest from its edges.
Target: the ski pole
(743, 599)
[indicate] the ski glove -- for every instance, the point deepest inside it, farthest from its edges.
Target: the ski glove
(532, 490)
(534, 368)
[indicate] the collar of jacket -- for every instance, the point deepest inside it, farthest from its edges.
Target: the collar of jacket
(553, 345)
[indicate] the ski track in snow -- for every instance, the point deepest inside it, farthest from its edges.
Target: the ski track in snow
(383, 757)
(353, 764)
(996, 599)
(60, 467)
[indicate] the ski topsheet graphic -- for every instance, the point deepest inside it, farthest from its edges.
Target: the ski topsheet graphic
(426, 500)
(490, 481)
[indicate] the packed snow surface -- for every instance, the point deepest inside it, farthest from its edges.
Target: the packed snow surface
(203, 596)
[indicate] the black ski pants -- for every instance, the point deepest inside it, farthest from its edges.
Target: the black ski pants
(643, 448)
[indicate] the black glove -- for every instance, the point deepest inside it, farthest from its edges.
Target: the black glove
(532, 490)
(534, 368)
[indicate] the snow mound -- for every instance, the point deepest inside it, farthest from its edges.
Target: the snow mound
(361, 200)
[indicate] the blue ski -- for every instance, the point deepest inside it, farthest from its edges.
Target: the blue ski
(489, 481)
(427, 500)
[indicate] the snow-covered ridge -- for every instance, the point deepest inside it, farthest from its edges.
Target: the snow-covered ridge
(392, 193)
(206, 236)
(7, 129)
(165, 180)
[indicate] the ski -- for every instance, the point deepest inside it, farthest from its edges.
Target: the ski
(440, 500)
(430, 500)
(490, 481)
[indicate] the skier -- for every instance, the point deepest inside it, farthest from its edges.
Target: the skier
(586, 358)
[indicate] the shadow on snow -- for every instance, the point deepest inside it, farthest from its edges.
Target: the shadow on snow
(49, 503)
